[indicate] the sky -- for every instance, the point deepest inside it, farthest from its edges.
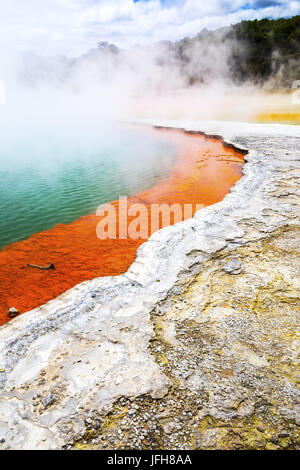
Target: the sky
(72, 27)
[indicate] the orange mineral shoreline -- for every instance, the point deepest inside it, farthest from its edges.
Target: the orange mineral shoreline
(203, 174)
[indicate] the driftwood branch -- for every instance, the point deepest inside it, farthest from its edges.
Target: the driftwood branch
(44, 268)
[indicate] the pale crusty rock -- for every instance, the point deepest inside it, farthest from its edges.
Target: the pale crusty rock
(118, 359)
(85, 349)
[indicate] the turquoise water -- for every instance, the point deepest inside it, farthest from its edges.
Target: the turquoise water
(55, 177)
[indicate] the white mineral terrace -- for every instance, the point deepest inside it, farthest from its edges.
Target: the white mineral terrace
(70, 361)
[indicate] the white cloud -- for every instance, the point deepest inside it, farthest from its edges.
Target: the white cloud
(74, 26)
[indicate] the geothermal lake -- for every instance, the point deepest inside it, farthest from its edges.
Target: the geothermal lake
(58, 177)
(51, 188)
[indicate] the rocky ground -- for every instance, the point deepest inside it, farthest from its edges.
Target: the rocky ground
(195, 347)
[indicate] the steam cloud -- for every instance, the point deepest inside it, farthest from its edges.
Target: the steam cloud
(190, 79)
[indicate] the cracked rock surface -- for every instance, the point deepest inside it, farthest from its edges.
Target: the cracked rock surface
(207, 358)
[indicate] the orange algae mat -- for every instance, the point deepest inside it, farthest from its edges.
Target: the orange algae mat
(204, 172)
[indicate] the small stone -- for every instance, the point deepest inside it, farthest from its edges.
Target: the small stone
(13, 312)
(48, 400)
(2, 441)
(169, 427)
(97, 425)
(283, 434)
(233, 266)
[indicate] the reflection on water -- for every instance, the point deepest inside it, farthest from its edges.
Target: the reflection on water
(45, 182)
